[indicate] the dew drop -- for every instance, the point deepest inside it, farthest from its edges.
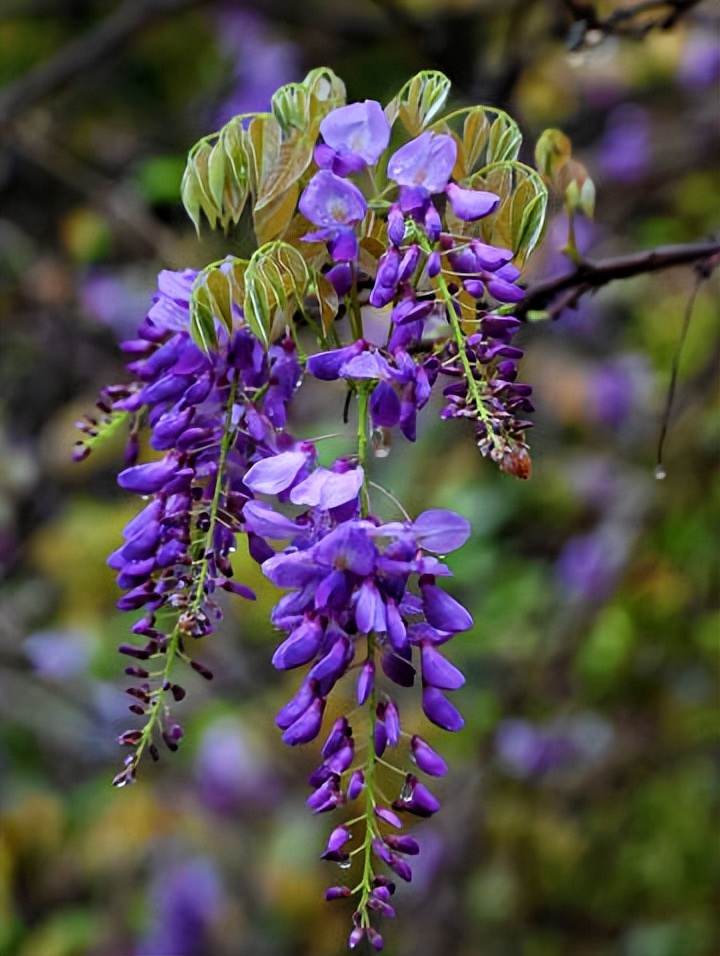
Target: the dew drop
(406, 794)
(660, 473)
(345, 864)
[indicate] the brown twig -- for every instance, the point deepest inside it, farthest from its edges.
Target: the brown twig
(634, 20)
(568, 288)
(84, 53)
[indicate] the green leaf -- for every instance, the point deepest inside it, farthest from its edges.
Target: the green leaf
(419, 101)
(300, 106)
(195, 189)
(488, 136)
(552, 151)
(276, 278)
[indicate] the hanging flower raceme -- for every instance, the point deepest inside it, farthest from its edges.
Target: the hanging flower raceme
(409, 233)
(363, 598)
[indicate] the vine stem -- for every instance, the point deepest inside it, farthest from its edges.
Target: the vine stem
(465, 361)
(371, 830)
(173, 648)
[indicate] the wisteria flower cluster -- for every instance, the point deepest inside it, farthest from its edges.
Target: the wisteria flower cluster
(409, 231)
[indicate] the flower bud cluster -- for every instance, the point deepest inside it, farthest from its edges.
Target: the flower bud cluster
(364, 604)
(363, 597)
(210, 416)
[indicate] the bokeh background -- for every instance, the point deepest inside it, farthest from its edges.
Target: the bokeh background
(580, 812)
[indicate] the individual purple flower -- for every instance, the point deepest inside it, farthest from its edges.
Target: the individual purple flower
(355, 137)
(425, 163)
(335, 205)
(423, 167)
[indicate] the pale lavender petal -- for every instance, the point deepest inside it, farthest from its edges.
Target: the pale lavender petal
(273, 475)
(329, 200)
(441, 531)
(361, 128)
(426, 161)
(471, 204)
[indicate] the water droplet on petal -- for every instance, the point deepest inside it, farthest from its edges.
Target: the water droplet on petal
(345, 864)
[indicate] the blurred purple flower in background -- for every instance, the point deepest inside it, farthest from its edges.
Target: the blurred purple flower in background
(700, 62)
(184, 903)
(531, 750)
(116, 300)
(587, 567)
(624, 152)
(617, 389)
(231, 775)
(59, 655)
(261, 62)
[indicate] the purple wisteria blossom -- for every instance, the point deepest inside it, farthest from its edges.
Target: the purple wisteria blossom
(355, 136)
(336, 205)
(365, 604)
(213, 418)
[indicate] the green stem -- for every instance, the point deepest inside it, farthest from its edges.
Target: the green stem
(173, 647)
(464, 360)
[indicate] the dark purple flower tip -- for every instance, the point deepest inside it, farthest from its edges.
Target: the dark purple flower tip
(342, 244)
(329, 669)
(437, 671)
(365, 682)
(147, 479)
(504, 291)
(341, 277)
(391, 718)
(300, 647)
(427, 758)
(490, 257)
(242, 590)
(434, 264)
(380, 738)
(416, 798)
(474, 287)
(402, 844)
(386, 278)
(425, 161)
(440, 711)
(330, 201)
(326, 365)
(384, 853)
(396, 225)
(384, 406)
(359, 128)
(441, 531)
(411, 310)
(327, 796)
(337, 840)
(375, 939)
(471, 204)
(400, 671)
(273, 475)
(339, 733)
(409, 263)
(337, 893)
(356, 937)
(307, 726)
(305, 695)
(356, 784)
(202, 670)
(387, 816)
(442, 611)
